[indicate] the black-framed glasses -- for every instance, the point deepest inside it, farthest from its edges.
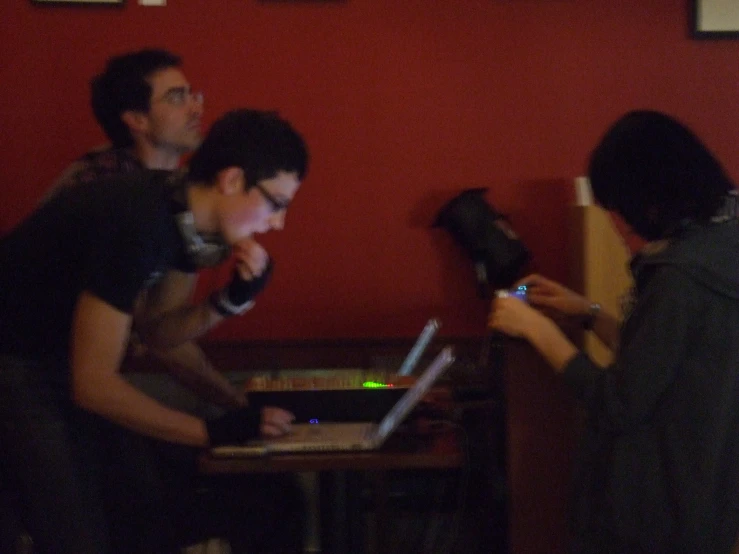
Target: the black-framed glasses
(275, 204)
(178, 96)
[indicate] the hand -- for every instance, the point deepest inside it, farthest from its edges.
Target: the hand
(513, 317)
(252, 272)
(243, 424)
(276, 422)
(252, 259)
(542, 292)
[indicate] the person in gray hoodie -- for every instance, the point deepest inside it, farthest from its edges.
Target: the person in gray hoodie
(659, 467)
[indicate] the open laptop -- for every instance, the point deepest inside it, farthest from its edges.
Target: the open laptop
(311, 437)
(419, 347)
(341, 395)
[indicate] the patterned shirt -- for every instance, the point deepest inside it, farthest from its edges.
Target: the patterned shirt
(96, 165)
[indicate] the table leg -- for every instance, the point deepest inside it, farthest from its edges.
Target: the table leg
(341, 513)
(332, 488)
(383, 519)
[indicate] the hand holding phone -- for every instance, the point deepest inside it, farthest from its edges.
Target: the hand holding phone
(519, 292)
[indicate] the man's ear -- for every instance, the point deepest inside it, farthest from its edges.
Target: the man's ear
(230, 180)
(136, 121)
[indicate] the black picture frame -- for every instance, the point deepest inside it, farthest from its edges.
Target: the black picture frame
(715, 19)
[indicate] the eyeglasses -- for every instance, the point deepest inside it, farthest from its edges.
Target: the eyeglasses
(178, 96)
(275, 204)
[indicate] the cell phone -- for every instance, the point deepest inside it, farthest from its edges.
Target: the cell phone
(519, 292)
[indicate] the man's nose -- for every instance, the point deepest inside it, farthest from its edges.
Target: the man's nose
(196, 103)
(196, 107)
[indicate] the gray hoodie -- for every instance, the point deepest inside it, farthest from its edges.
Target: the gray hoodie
(659, 470)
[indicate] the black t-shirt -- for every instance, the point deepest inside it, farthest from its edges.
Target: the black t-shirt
(112, 238)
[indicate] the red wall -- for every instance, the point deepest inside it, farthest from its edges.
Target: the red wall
(403, 103)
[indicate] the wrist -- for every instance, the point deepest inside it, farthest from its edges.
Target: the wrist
(220, 302)
(234, 427)
(591, 315)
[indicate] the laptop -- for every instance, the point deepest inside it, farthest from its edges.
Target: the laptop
(341, 394)
(419, 347)
(329, 437)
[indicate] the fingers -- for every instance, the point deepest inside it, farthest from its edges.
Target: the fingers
(503, 316)
(530, 280)
(251, 258)
(276, 422)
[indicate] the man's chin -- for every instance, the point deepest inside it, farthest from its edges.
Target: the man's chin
(236, 241)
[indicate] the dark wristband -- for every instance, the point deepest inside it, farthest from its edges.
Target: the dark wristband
(220, 302)
(234, 427)
(238, 296)
(241, 291)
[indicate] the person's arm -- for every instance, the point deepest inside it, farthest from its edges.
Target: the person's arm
(517, 319)
(169, 319)
(167, 323)
(653, 347)
(166, 319)
(190, 366)
(606, 327)
(98, 342)
(99, 338)
(548, 294)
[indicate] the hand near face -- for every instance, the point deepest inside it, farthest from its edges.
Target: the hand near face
(251, 258)
(276, 422)
(544, 293)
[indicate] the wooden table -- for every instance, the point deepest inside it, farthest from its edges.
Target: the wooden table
(339, 508)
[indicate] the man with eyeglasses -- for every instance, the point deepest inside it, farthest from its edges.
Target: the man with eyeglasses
(148, 110)
(77, 437)
(145, 105)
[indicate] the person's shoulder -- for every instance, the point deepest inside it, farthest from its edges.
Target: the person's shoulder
(96, 165)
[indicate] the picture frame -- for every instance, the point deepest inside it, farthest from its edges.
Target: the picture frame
(715, 19)
(301, 1)
(81, 2)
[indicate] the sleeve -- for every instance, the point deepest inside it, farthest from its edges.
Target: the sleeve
(654, 343)
(129, 250)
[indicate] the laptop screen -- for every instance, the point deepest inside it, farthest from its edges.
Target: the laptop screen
(421, 343)
(406, 402)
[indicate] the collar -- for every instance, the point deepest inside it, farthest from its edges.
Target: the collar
(201, 249)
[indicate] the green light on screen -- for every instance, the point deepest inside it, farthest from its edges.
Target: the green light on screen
(374, 385)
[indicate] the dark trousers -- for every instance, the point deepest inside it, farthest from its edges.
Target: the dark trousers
(87, 486)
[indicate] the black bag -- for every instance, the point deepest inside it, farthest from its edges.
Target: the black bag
(497, 252)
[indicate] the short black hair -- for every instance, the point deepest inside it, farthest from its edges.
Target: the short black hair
(655, 172)
(123, 86)
(258, 142)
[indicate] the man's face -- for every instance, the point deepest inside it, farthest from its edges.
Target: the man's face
(174, 113)
(258, 209)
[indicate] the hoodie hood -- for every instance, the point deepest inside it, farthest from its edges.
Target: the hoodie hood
(709, 253)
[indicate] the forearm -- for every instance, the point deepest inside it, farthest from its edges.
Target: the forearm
(112, 398)
(179, 325)
(190, 366)
(605, 326)
(551, 343)
(608, 330)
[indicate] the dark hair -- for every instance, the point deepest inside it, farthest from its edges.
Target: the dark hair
(654, 172)
(123, 86)
(259, 142)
